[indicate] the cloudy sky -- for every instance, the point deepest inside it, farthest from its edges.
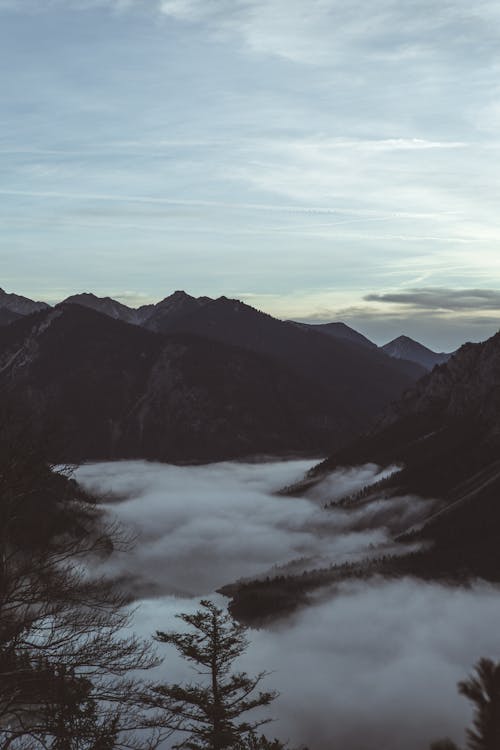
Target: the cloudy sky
(319, 159)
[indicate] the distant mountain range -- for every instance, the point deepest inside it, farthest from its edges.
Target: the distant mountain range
(191, 379)
(402, 347)
(164, 315)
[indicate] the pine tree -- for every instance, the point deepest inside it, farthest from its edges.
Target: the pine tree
(209, 712)
(483, 689)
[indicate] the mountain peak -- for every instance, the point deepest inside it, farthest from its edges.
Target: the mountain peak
(105, 305)
(404, 347)
(15, 303)
(171, 309)
(404, 339)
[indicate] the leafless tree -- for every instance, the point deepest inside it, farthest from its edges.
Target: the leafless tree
(68, 664)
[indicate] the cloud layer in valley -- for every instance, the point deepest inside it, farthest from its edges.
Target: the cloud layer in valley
(367, 665)
(376, 666)
(201, 527)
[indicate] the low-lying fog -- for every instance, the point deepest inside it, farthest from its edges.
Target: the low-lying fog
(374, 667)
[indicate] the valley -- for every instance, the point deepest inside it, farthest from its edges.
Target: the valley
(297, 475)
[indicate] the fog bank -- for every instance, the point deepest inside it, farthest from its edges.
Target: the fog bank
(373, 666)
(200, 527)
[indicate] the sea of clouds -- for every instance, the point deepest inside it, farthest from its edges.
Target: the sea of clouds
(370, 666)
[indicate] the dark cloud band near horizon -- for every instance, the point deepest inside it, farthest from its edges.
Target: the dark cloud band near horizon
(442, 298)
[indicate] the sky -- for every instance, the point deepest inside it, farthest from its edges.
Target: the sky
(319, 159)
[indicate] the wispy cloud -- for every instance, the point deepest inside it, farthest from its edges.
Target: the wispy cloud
(324, 150)
(322, 31)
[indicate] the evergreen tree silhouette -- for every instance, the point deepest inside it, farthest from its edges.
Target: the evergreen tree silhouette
(209, 712)
(483, 690)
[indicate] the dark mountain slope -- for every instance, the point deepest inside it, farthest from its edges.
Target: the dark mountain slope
(7, 316)
(446, 435)
(355, 382)
(205, 399)
(117, 390)
(460, 398)
(81, 372)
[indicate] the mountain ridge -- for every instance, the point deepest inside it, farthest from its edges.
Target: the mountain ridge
(154, 315)
(20, 305)
(339, 330)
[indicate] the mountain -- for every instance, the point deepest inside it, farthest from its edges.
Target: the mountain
(7, 316)
(349, 384)
(155, 317)
(115, 390)
(338, 331)
(445, 435)
(404, 347)
(105, 305)
(355, 383)
(442, 440)
(172, 309)
(19, 305)
(453, 411)
(228, 381)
